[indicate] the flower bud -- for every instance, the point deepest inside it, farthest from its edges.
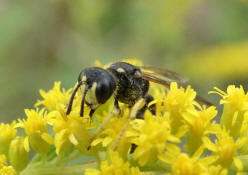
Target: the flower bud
(18, 156)
(7, 133)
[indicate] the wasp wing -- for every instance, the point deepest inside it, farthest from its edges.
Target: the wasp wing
(165, 77)
(163, 74)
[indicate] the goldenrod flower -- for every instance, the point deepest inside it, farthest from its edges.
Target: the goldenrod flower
(215, 170)
(55, 99)
(177, 102)
(7, 170)
(152, 136)
(225, 149)
(18, 156)
(111, 133)
(199, 125)
(4, 169)
(176, 140)
(36, 129)
(235, 105)
(183, 164)
(7, 133)
(3, 160)
(115, 166)
(72, 130)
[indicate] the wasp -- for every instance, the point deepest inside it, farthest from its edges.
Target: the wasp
(127, 83)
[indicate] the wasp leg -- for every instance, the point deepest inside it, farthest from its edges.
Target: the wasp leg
(152, 108)
(141, 113)
(133, 113)
(103, 125)
(116, 104)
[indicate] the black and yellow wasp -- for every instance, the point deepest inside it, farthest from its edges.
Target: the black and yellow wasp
(127, 83)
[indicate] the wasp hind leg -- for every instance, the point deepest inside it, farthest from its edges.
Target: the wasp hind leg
(134, 110)
(151, 108)
(141, 113)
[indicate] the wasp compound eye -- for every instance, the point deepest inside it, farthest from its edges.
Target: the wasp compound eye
(104, 90)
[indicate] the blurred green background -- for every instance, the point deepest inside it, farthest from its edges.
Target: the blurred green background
(48, 40)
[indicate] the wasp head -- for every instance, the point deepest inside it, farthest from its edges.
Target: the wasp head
(97, 86)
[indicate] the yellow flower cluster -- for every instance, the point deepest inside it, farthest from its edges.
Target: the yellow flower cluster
(183, 138)
(4, 168)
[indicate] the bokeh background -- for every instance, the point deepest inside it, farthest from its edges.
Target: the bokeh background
(48, 40)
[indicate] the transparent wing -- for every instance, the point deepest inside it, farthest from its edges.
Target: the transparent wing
(165, 77)
(163, 74)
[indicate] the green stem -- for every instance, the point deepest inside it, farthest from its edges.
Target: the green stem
(72, 156)
(77, 169)
(158, 166)
(244, 160)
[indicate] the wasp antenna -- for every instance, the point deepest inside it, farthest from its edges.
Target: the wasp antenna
(72, 98)
(83, 100)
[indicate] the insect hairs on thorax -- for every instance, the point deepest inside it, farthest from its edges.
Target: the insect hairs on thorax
(129, 88)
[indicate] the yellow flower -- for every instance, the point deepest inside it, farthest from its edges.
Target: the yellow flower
(235, 105)
(177, 102)
(7, 133)
(111, 133)
(215, 170)
(152, 136)
(55, 99)
(18, 156)
(72, 130)
(225, 149)
(185, 165)
(7, 170)
(199, 125)
(4, 169)
(36, 129)
(115, 166)
(3, 160)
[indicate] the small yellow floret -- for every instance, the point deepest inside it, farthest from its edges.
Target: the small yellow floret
(4, 169)
(225, 149)
(235, 106)
(7, 133)
(71, 130)
(18, 156)
(185, 165)
(36, 129)
(7, 170)
(116, 166)
(177, 101)
(54, 99)
(152, 136)
(199, 124)
(3, 160)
